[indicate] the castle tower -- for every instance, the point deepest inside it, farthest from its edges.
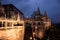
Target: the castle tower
(45, 14)
(39, 26)
(38, 15)
(38, 12)
(46, 21)
(45, 17)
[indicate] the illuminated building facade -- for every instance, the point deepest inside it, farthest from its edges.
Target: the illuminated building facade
(39, 24)
(11, 23)
(14, 26)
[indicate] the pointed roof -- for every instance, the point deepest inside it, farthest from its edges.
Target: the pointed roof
(38, 15)
(38, 12)
(45, 14)
(12, 6)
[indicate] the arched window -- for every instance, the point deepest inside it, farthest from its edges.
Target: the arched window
(38, 23)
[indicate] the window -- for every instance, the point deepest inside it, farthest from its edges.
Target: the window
(38, 23)
(8, 24)
(3, 24)
(18, 24)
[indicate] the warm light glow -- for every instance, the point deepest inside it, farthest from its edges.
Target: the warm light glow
(36, 27)
(11, 32)
(30, 38)
(33, 33)
(40, 34)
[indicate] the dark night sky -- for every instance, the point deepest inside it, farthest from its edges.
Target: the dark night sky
(52, 7)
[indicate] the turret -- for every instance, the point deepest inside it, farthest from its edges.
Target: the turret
(45, 17)
(46, 20)
(38, 12)
(38, 15)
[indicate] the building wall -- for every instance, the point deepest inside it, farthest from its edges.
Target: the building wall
(12, 34)
(47, 24)
(16, 33)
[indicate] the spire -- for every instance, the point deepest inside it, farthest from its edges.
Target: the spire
(45, 17)
(38, 15)
(45, 14)
(38, 12)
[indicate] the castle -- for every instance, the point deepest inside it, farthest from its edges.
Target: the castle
(34, 27)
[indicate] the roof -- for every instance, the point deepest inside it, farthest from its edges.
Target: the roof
(11, 5)
(38, 13)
